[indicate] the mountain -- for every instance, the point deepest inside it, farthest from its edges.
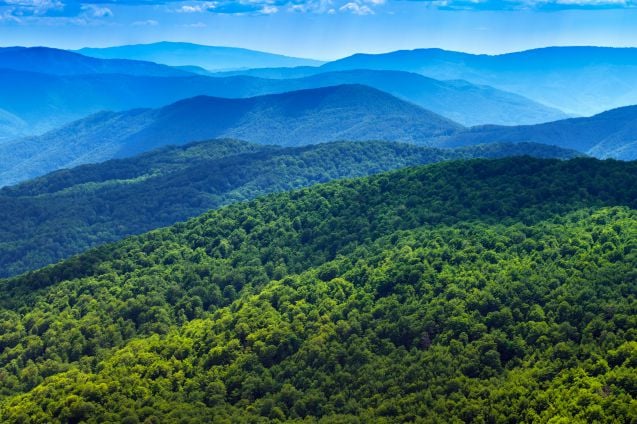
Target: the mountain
(576, 80)
(66, 212)
(48, 101)
(611, 134)
(479, 291)
(207, 57)
(11, 125)
(466, 103)
(275, 73)
(45, 102)
(61, 62)
(347, 112)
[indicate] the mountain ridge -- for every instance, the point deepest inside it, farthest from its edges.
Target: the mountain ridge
(58, 105)
(62, 62)
(207, 57)
(68, 211)
(610, 134)
(346, 112)
(584, 83)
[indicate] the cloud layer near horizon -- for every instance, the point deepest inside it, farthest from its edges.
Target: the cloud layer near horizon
(24, 10)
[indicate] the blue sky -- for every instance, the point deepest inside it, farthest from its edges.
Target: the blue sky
(323, 29)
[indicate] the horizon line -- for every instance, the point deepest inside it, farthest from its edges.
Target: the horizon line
(371, 53)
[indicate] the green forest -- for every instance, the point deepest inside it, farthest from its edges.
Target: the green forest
(485, 291)
(66, 212)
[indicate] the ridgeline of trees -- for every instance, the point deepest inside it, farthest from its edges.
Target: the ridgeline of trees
(475, 291)
(66, 212)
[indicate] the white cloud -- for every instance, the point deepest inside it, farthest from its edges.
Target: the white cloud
(95, 11)
(197, 7)
(593, 2)
(528, 4)
(33, 7)
(148, 22)
(356, 8)
(269, 10)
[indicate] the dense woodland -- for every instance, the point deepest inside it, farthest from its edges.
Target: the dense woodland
(68, 211)
(466, 291)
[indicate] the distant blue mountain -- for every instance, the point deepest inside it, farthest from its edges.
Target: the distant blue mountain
(11, 125)
(45, 102)
(611, 134)
(62, 62)
(577, 80)
(461, 101)
(207, 57)
(347, 112)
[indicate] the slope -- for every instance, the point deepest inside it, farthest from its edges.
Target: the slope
(10, 125)
(611, 134)
(207, 57)
(481, 290)
(61, 214)
(348, 112)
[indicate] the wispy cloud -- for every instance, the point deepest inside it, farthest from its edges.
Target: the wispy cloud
(538, 5)
(24, 11)
(268, 7)
(32, 7)
(100, 10)
(148, 22)
(356, 8)
(96, 11)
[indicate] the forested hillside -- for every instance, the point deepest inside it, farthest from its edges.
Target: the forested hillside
(66, 212)
(484, 291)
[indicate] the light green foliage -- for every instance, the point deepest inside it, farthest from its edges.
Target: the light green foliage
(480, 291)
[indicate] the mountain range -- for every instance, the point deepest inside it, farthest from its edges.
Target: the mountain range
(68, 211)
(61, 62)
(611, 134)
(206, 57)
(346, 112)
(40, 102)
(577, 80)
(367, 254)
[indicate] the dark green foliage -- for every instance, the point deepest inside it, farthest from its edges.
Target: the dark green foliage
(482, 291)
(66, 212)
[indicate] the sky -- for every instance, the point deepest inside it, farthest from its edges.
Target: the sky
(322, 29)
